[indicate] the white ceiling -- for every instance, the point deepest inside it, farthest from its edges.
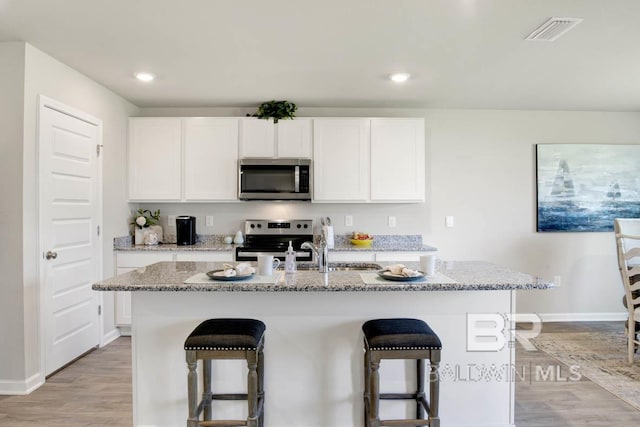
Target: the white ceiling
(338, 53)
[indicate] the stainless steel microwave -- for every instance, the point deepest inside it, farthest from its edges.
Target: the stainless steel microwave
(274, 179)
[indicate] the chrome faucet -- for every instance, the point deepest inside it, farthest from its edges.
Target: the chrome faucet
(322, 253)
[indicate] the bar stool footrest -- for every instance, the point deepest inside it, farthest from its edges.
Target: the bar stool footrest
(223, 423)
(403, 423)
(229, 396)
(399, 396)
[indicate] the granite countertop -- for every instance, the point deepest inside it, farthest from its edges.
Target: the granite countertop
(451, 276)
(381, 243)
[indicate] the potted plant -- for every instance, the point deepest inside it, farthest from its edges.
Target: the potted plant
(276, 110)
(147, 230)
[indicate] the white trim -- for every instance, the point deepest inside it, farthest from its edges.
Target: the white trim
(583, 317)
(110, 337)
(21, 387)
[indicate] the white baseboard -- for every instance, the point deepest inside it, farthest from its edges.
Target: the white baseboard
(21, 387)
(583, 317)
(125, 331)
(110, 336)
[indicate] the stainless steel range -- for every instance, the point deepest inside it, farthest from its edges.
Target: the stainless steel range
(272, 236)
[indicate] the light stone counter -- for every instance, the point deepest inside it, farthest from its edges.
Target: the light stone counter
(381, 243)
(466, 275)
(313, 351)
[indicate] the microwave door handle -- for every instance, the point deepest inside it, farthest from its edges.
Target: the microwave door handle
(296, 179)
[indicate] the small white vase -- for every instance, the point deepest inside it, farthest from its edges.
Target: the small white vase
(151, 235)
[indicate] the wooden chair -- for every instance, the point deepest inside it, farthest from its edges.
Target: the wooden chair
(401, 339)
(627, 232)
(226, 339)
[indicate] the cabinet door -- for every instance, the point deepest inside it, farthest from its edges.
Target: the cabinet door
(397, 160)
(211, 159)
(341, 160)
(154, 158)
(257, 138)
(294, 138)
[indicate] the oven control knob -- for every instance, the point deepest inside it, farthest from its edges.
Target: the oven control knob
(253, 226)
(299, 226)
(259, 225)
(306, 226)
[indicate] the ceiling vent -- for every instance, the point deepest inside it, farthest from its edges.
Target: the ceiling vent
(553, 28)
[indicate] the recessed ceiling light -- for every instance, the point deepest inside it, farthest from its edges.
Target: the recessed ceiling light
(400, 77)
(145, 77)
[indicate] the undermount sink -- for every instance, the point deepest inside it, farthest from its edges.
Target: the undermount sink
(340, 266)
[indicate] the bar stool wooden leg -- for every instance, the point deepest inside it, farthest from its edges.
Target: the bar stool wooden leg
(367, 393)
(419, 388)
(261, 387)
(207, 394)
(192, 380)
(374, 392)
(252, 387)
(434, 390)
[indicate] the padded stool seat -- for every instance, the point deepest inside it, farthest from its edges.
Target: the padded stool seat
(400, 334)
(401, 338)
(226, 339)
(226, 334)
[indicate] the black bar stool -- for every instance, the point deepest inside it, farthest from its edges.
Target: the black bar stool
(401, 339)
(226, 339)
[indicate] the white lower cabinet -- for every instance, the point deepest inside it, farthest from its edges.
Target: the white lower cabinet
(129, 261)
(375, 256)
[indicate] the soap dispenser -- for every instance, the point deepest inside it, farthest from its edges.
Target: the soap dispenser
(290, 260)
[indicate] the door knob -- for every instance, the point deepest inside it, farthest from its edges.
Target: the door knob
(52, 255)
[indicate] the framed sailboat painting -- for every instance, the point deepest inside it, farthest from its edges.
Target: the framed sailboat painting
(583, 187)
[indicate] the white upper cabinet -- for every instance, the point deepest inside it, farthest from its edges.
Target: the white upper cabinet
(257, 138)
(287, 138)
(175, 159)
(154, 158)
(294, 138)
(210, 158)
(397, 160)
(341, 160)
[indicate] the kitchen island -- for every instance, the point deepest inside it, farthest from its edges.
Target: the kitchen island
(313, 350)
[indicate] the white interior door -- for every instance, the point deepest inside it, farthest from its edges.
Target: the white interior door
(70, 211)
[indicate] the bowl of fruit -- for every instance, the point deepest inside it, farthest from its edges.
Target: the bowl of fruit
(361, 239)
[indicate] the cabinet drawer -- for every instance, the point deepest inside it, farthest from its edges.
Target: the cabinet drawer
(205, 256)
(398, 256)
(139, 259)
(351, 256)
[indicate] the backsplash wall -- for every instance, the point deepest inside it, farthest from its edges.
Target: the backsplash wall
(229, 217)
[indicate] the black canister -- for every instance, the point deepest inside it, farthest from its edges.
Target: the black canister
(185, 230)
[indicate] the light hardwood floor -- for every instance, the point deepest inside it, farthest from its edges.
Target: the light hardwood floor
(96, 391)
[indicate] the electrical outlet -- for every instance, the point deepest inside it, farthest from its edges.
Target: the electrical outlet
(348, 220)
(448, 221)
(209, 220)
(171, 220)
(557, 280)
(392, 221)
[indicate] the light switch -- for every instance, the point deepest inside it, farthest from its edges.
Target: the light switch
(392, 221)
(448, 221)
(348, 220)
(171, 220)
(209, 220)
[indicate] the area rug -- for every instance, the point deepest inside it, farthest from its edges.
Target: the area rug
(602, 358)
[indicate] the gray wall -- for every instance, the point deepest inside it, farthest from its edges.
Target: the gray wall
(12, 364)
(25, 73)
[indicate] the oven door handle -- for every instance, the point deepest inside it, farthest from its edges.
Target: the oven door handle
(252, 254)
